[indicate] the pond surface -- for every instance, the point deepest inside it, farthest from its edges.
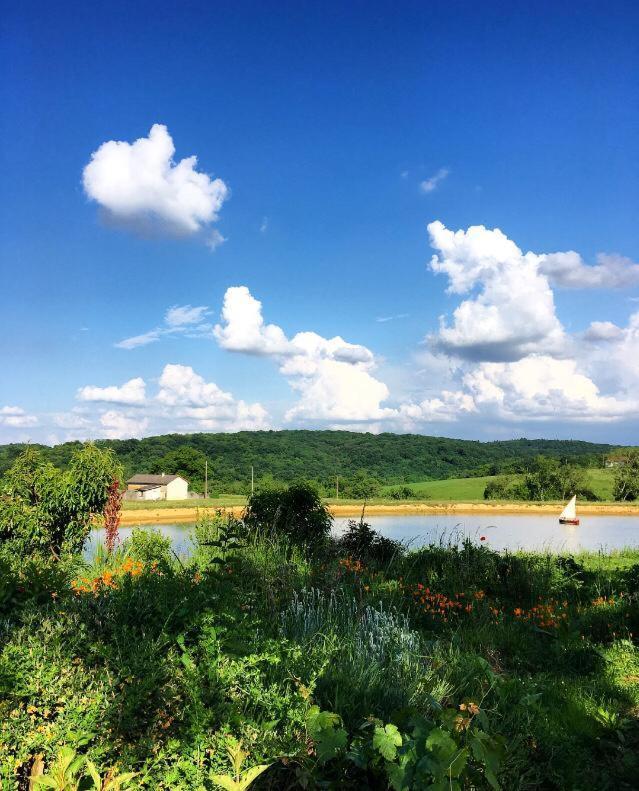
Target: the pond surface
(501, 531)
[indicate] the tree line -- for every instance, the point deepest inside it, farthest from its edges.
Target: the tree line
(321, 456)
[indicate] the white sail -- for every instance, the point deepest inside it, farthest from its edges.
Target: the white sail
(570, 511)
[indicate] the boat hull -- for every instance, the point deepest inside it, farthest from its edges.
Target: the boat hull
(568, 521)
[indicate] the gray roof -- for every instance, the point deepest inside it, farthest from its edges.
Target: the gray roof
(158, 480)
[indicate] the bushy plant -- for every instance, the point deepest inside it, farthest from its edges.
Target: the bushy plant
(626, 478)
(403, 493)
(360, 541)
(46, 510)
(296, 512)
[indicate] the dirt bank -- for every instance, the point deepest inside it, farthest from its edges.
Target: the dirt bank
(171, 515)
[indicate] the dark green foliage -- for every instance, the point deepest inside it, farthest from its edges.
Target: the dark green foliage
(626, 486)
(360, 486)
(403, 493)
(296, 513)
(545, 479)
(186, 461)
(321, 455)
(43, 509)
(361, 542)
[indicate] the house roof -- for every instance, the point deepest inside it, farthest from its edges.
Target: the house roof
(156, 480)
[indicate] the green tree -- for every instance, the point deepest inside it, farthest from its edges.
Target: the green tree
(626, 478)
(187, 461)
(296, 512)
(360, 486)
(43, 509)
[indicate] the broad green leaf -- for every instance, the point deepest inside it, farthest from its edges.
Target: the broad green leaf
(226, 782)
(330, 742)
(441, 745)
(251, 774)
(386, 740)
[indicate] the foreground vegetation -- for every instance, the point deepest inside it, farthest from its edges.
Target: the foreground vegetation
(263, 658)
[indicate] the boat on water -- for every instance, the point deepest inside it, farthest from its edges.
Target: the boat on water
(569, 515)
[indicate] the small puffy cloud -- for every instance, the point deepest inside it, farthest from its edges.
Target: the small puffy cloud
(16, 417)
(131, 393)
(568, 270)
(513, 313)
(180, 315)
(139, 186)
(603, 331)
(264, 225)
(431, 184)
(243, 328)
(119, 425)
(190, 396)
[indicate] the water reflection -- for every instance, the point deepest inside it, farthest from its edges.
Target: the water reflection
(502, 531)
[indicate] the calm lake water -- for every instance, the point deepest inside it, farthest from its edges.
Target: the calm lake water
(503, 531)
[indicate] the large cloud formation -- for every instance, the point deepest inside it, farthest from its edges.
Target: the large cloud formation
(331, 376)
(514, 312)
(139, 186)
(517, 362)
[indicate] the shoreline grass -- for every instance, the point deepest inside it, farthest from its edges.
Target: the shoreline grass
(151, 663)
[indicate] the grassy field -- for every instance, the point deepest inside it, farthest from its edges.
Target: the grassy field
(469, 489)
(448, 490)
(223, 501)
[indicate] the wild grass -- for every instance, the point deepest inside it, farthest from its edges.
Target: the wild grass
(151, 662)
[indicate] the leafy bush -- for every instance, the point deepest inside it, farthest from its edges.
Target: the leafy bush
(360, 541)
(626, 480)
(46, 510)
(403, 493)
(296, 512)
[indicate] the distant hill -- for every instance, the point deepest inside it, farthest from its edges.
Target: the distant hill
(320, 455)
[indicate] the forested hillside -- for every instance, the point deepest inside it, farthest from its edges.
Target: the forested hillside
(321, 455)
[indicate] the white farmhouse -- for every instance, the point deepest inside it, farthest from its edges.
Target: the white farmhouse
(157, 487)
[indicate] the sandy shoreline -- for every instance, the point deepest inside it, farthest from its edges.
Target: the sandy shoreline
(170, 515)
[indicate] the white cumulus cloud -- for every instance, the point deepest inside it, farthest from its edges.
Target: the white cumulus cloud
(568, 270)
(332, 376)
(188, 395)
(513, 313)
(543, 388)
(138, 185)
(16, 417)
(132, 393)
(119, 425)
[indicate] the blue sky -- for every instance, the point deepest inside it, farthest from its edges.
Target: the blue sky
(339, 131)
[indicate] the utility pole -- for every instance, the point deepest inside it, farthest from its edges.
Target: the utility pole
(206, 478)
(337, 487)
(252, 480)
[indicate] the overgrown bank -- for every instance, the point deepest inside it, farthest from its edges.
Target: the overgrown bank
(271, 648)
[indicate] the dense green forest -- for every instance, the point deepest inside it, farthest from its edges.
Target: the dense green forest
(321, 455)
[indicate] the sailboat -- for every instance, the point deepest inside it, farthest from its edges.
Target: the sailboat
(569, 515)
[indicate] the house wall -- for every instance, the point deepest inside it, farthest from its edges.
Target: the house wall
(153, 494)
(177, 489)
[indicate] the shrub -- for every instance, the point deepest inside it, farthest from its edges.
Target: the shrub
(402, 493)
(360, 541)
(43, 509)
(296, 512)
